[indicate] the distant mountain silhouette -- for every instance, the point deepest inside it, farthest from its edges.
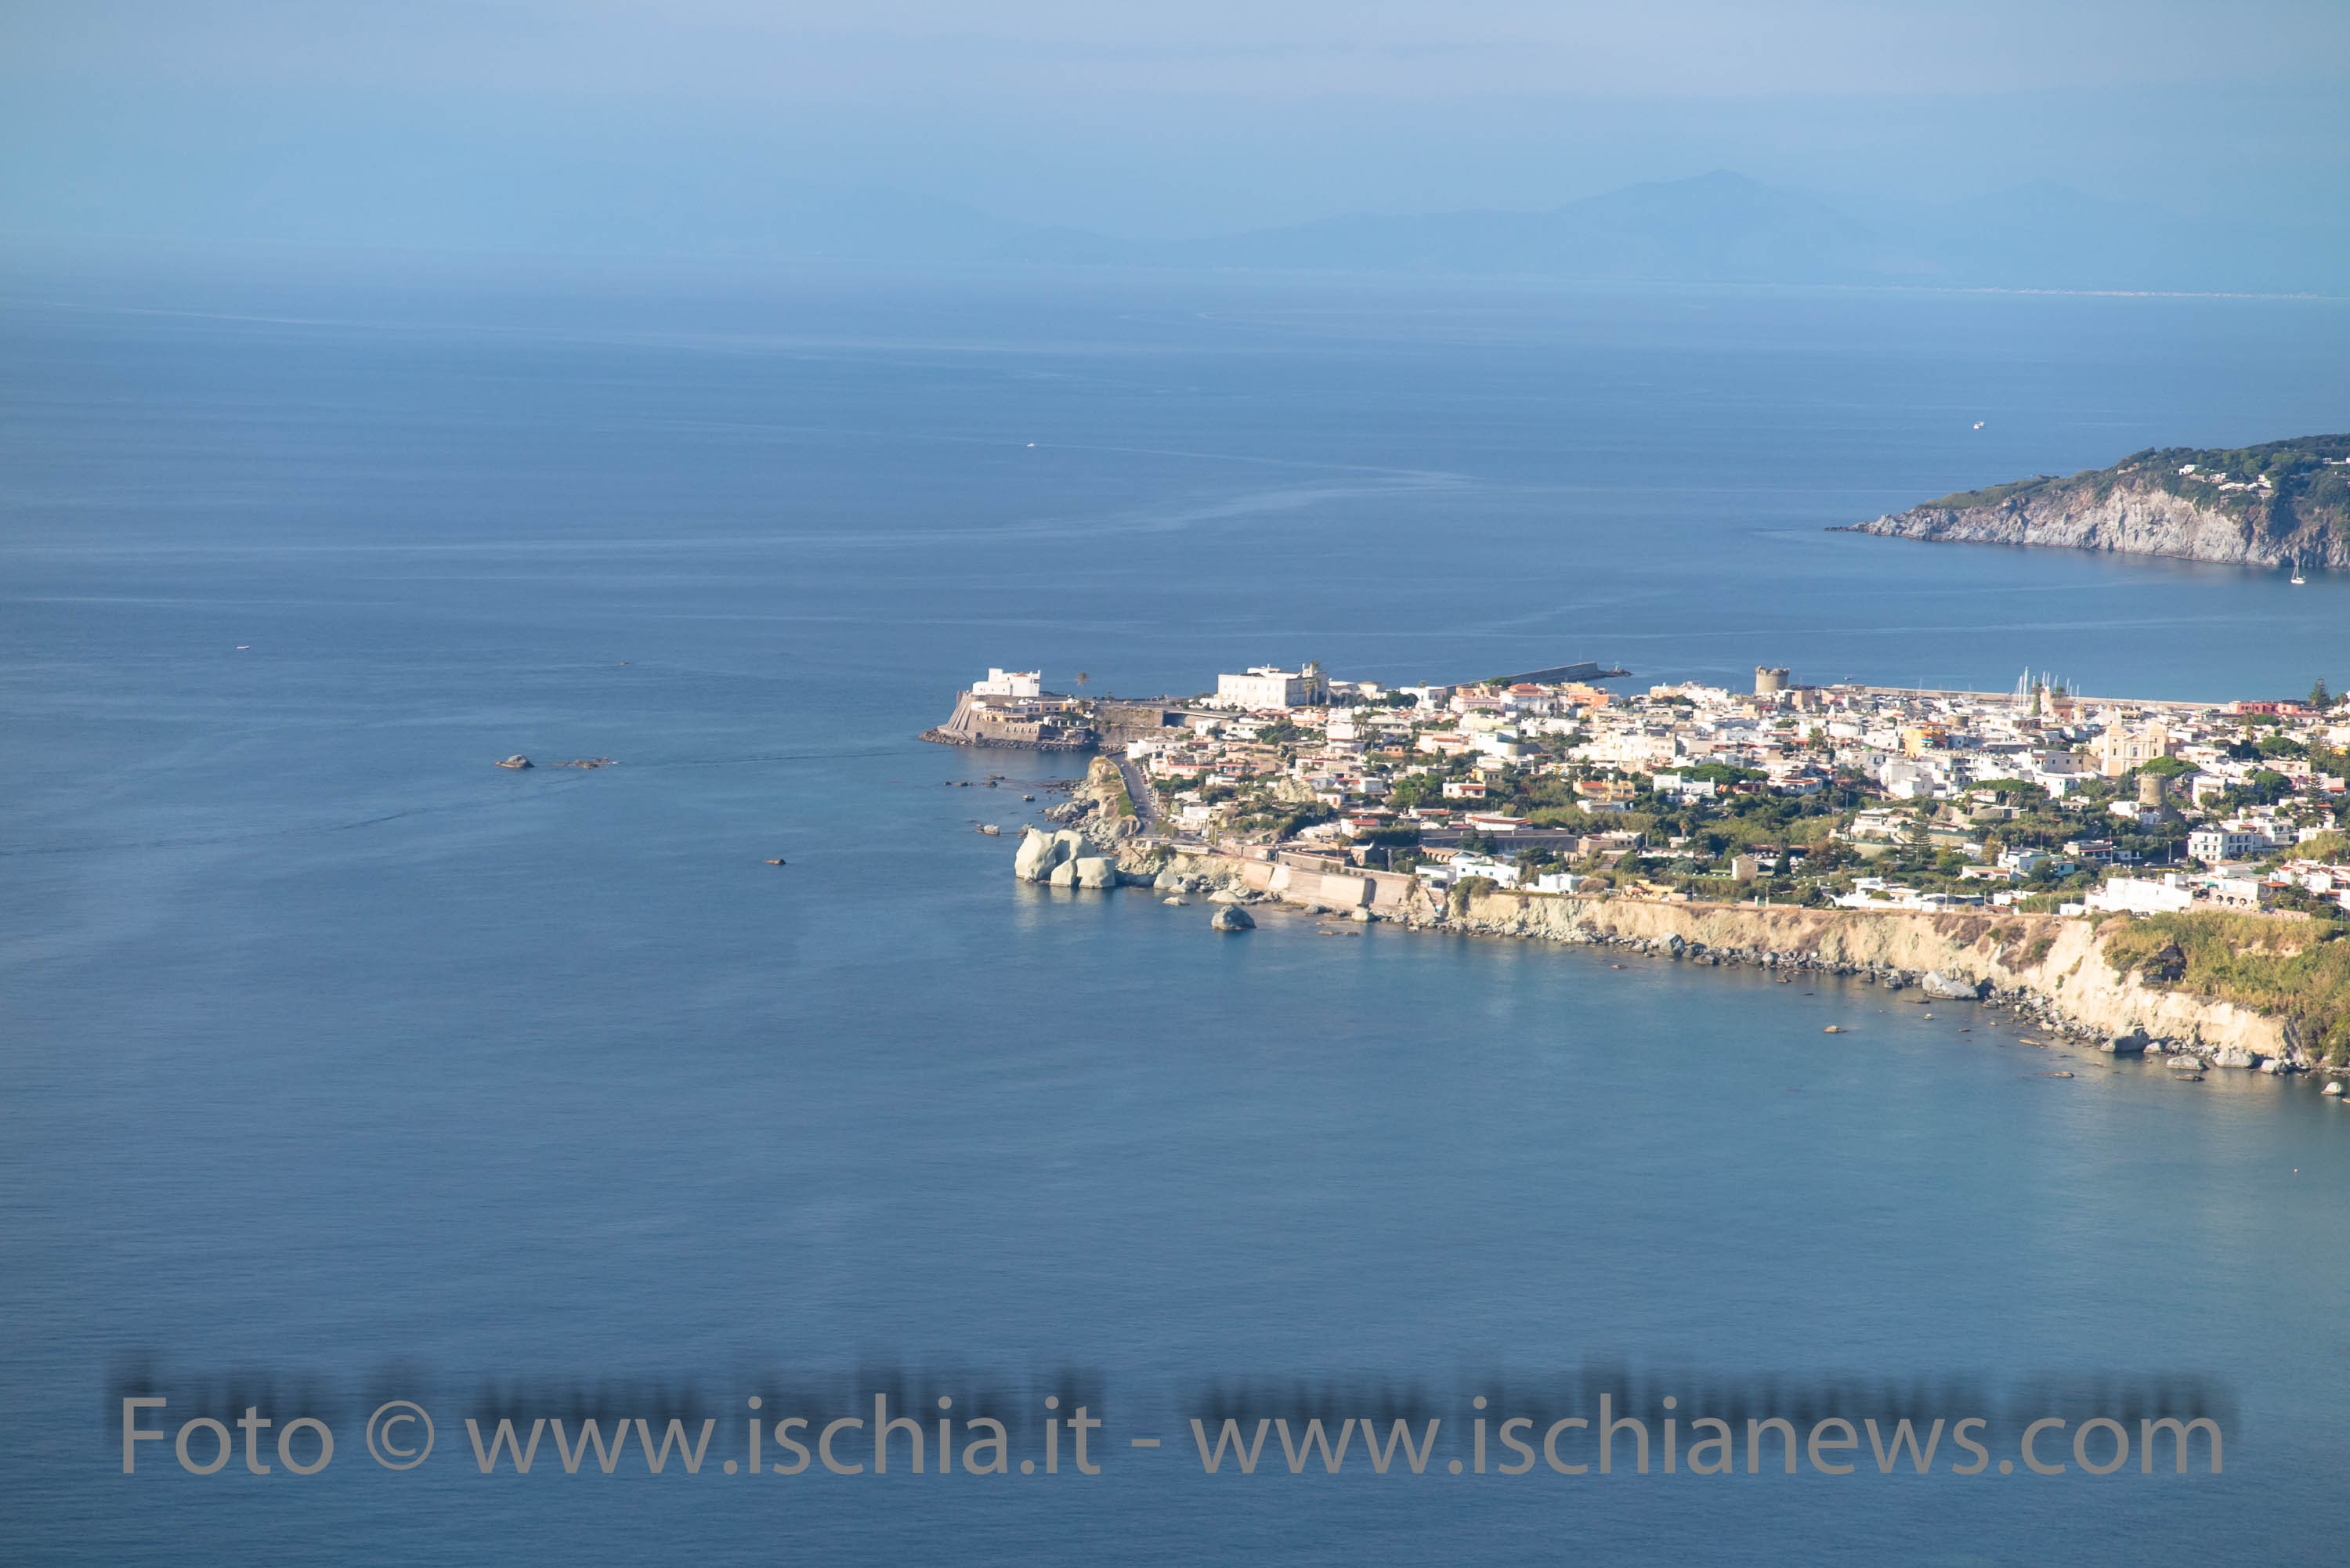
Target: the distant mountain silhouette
(1723, 227)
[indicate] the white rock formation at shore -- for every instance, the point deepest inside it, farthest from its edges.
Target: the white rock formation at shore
(1042, 854)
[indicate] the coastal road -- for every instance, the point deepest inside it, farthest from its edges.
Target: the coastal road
(1138, 788)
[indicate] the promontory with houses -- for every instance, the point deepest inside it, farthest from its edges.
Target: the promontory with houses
(1960, 844)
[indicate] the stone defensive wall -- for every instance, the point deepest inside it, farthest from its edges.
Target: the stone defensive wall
(1118, 723)
(970, 726)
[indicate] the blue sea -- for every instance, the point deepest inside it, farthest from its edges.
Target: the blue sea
(339, 1066)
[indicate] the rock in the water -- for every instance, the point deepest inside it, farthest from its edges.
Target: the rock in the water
(1168, 881)
(1232, 918)
(1361, 916)
(1064, 875)
(1039, 854)
(1944, 986)
(2332, 1088)
(1228, 896)
(2235, 1057)
(1094, 871)
(2133, 1043)
(1179, 902)
(516, 761)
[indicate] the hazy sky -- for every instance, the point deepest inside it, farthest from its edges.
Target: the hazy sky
(506, 121)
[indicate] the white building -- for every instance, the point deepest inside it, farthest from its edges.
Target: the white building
(1010, 683)
(1906, 780)
(1501, 871)
(2054, 772)
(1682, 788)
(2238, 892)
(1267, 686)
(2213, 845)
(1640, 750)
(2143, 895)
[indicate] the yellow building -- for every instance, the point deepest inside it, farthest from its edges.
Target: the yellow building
(2119, 749)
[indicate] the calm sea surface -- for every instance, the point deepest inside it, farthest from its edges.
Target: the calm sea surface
(336, 1062)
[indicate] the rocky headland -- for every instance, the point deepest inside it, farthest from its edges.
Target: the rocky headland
(2267, 505)
(2056, 970)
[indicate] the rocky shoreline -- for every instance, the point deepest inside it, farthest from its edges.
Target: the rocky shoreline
(2181, 504)
(2146, 524)
(2048, 969)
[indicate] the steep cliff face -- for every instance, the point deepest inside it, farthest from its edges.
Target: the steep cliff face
(2058, 966)
(2059, 960)
(2217, 511)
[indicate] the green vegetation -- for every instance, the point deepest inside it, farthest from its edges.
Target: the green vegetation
(2295, 970)
(2309, 487)
(2332, 846)
(1469, 888)
(1991, 495)
(1287, 819)
(1108, 785)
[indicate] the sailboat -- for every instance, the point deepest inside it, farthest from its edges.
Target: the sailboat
(2297, 578)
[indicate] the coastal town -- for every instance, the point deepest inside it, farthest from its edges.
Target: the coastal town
(1848, 796)
(2166, 879)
